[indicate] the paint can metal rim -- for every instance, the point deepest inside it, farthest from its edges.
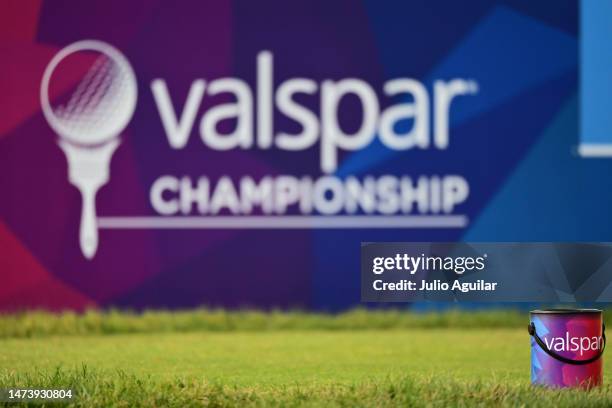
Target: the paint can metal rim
(565, 311)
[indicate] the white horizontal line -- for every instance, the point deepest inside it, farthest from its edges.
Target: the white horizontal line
(284, 222)
(595, 150)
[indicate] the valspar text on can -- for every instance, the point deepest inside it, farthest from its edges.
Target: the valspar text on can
(567, 347)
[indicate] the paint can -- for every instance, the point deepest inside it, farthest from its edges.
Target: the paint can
(567, 346)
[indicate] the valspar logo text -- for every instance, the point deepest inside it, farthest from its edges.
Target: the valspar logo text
(91, 119)
(574, 344)
(330, 195)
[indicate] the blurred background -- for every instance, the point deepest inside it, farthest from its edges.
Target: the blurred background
(515, 142)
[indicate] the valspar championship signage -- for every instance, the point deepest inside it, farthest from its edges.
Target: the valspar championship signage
(237, 154)
(91, 118)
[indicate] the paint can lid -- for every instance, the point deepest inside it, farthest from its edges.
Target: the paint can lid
(565, 311)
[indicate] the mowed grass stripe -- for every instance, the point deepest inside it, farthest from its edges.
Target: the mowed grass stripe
(445, 367)
(259, 358)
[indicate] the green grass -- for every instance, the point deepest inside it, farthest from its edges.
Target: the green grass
(395, 364)
(36, 324)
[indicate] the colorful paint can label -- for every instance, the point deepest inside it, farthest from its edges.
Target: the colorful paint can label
(567, 347)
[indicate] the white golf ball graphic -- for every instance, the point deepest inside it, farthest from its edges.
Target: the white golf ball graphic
(103, 102)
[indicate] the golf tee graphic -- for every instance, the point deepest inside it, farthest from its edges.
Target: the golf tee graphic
(89, 121)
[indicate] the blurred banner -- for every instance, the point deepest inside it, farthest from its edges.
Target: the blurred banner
(236, 154)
